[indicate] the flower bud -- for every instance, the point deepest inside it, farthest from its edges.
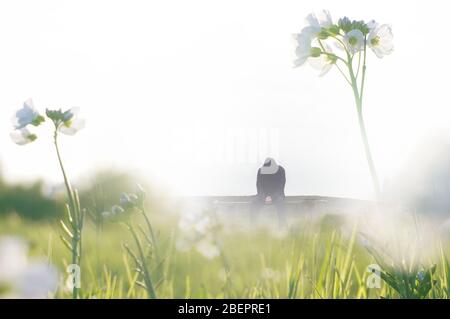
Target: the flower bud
(323, 34)
(117, 210)
(421, 275)
(55, 115)
(140, 191)
(38, 120)
(333, 30)
(315, 52)
(126, 201)
(133, 199)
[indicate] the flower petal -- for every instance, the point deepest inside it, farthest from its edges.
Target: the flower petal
(322, 63)
(13, 258)
(22, 136)
(303, 49)
(74, 126)
(384, 40)
(354, 40)
(207, 249)
(37, 281)
(25, 116)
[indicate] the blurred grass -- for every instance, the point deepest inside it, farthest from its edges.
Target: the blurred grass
(303, 265)
(316, 260)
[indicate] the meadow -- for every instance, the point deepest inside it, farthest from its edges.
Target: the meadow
(202, 254)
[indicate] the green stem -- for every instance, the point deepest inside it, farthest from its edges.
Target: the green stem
(76, 238)
(66, 180)
(338, 58)
(147, 278)
(359, 64)
(358, 99)
(343, 74)
(152, 233)
(363, 79)
(370, 162)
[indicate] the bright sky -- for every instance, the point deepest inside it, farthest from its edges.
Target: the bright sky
(144, 71)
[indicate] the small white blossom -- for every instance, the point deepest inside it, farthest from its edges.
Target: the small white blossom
(26, 115)
(72, 123)
(117, 210)
(354, 41)
(22, 278)
(303, 48)
(128, 200)
(140, 191)
(380, 40)
(421, 275)
(198, 231)
(324, 62)
(22, 136)
(321, 20)
(303, 40)
(124, 199)
(372, 24)
(207, 248)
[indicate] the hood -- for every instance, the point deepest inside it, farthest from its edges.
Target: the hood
(270, 166)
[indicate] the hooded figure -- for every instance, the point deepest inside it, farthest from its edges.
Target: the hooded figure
(270, 183)
(271, 179)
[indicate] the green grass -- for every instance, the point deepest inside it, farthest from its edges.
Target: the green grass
(315, 259)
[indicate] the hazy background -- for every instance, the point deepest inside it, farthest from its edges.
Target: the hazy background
(143, 72)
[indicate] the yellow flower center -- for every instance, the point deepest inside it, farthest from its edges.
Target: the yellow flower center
(353, 41)
(375, 41)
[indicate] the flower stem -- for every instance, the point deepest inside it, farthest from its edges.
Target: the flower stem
(66, 180)
(73, 210)
(358, 95)
(152, 233)
(370, 161)
(147, 278)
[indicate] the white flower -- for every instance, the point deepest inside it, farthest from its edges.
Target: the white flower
(13, 257)
(303, 40)
(303, 49)
(140, 191)
(421, 275)
(372, 24)
(22, 136)
(324, 62)
(117, 210)
(27, 115)
(72, 123)
(321, 20)
(197, 231)
(128, 200)
(22, 278)
(354, 41)
(38, 281)
(124, 199)
(380, 40)
(207, 248)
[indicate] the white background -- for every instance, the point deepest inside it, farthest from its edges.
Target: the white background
(141, 69)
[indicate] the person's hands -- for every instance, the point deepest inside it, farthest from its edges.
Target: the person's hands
(268, 200)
